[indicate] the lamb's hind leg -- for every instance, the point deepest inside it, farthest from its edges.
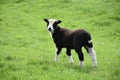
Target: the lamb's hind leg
(92, 54)
(80, 56)
(68, 52)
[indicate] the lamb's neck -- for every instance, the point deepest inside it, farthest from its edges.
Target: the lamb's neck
(57, 32)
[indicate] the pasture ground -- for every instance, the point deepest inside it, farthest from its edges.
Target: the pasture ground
(27, 51)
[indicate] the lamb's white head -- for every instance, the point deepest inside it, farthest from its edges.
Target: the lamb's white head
(52, 24)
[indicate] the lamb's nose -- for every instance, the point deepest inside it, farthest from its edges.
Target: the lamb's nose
(49, 29)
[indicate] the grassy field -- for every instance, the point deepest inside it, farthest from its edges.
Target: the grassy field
(27, 51)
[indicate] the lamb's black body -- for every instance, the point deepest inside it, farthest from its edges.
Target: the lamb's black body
(69, 39)
(65, 38)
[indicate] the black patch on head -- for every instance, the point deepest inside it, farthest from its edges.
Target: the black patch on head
(55, 25)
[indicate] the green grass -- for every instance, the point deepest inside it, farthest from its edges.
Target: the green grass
(27, 51)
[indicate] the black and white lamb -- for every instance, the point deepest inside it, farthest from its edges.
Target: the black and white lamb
(71, 39)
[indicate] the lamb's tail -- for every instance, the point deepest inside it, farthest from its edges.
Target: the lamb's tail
(89, 41)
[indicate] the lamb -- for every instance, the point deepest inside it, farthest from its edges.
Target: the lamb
(71, 39)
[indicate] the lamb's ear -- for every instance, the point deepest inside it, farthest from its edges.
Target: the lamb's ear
(59, 21)
(46, 20)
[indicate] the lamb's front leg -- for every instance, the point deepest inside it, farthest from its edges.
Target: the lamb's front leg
(68, 52)
(58, 50)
